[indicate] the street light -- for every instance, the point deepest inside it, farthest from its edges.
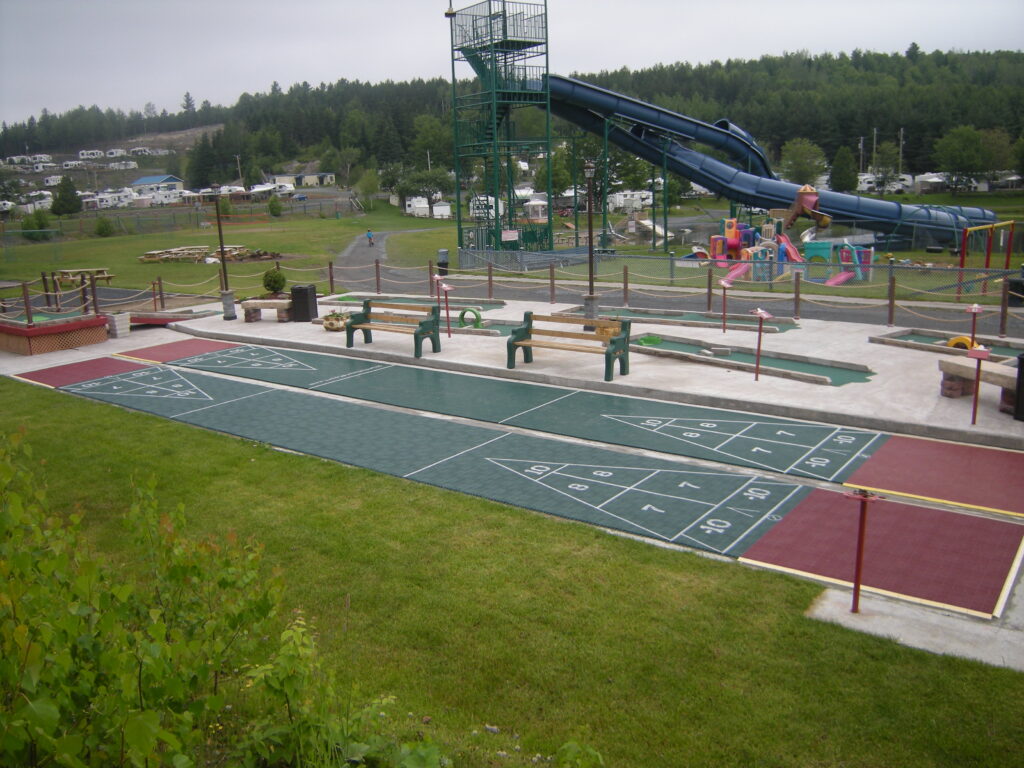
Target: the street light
(590, 300)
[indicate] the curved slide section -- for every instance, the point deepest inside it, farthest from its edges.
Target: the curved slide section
(654, 134)
(723, 135)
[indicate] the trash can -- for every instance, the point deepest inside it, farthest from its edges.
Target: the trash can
(303, 303)
(442, 261)
(1016, 288)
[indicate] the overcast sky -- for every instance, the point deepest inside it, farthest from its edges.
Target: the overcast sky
(58, 54)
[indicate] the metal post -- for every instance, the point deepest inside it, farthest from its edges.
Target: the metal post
(978, 354)
(376, 267)
(725, 300)
(220, 237)
(625, 285)
(1004, 308)
(864, 497)
(892, 293)
(590, 300)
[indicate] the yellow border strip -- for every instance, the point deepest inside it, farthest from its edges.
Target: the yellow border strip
(936, 500)
(1004, 595)
(865, 588)
(123, 356)
(32, 381)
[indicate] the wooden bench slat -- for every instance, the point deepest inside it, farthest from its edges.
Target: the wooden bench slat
(597, 322)
(386, 327)
(411, 307)
(570, 335)
(560, 345)
(379, 316)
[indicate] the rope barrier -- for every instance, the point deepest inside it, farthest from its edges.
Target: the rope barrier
(843, 305)
(938, 319)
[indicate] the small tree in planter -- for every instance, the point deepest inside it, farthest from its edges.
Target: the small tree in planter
(274, 282)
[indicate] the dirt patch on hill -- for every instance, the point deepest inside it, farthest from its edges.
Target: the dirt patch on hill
(179, 141)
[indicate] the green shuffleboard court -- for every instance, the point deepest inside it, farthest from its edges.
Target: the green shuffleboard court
(770, 443)
(721, 512)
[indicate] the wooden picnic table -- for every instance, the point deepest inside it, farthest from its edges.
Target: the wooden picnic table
(74, 276)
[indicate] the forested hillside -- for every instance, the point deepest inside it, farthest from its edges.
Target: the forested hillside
(832, 100)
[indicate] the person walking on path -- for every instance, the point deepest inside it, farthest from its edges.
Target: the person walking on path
(369, 238)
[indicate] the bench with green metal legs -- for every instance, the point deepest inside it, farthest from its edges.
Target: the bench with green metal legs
(421, 321)
(610, 337)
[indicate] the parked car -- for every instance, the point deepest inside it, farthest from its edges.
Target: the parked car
(299, 197)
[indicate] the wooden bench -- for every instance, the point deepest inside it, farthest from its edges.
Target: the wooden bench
(74, 276)
(609, 338)
(421, 321)
(253, 309)
(958, 379)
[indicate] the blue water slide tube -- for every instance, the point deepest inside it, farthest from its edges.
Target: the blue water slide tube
(723, 135)
(654, 134)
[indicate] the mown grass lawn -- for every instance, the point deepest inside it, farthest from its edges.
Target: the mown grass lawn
(475, 613)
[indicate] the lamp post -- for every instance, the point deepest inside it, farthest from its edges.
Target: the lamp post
(974, 309)
(590, 300)
(227, 298)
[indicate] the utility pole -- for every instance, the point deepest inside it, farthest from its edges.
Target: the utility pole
(238, 164)
(860, 147)
(874, 150)
(901, 155)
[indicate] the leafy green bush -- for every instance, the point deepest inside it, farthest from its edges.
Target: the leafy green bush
(274, 280)
(104, 227)
(224, 205)
(172, 668)
(274, 206)
(34, 224)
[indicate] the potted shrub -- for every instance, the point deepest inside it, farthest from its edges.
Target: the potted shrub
(335, 320)
(274, 282)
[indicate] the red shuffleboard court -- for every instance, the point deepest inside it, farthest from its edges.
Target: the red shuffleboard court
(176, 350)
(75, 373)
(953, 560)
(972, 476)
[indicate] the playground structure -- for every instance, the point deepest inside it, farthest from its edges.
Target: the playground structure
(769, 254)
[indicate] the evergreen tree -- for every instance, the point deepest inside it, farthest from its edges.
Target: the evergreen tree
(843, 175)
(201, 164)
(66, 200)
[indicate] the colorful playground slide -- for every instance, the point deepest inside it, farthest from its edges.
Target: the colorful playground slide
(792, 252)
(840, 277)
(737, 272)
(654, 134)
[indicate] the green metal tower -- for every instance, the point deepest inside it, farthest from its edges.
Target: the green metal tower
(506, 44)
